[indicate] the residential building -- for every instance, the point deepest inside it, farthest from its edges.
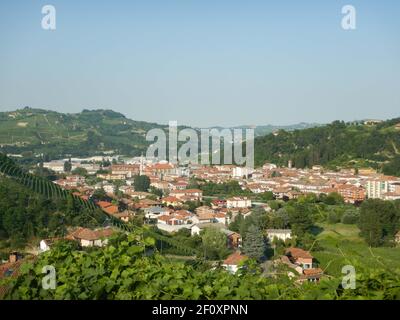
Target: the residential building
(91, 238)
(238, 202)
(300, 257)
(187, 194)
(233, 263)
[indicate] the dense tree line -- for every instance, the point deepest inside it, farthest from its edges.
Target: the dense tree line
(334, 144)
(379, 221)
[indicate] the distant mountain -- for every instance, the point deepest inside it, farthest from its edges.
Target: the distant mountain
(266, 129)
(357, 144)
(372, 143)
(85, 133)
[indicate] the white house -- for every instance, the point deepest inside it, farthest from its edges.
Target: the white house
(233, 262)
(238, 202)
(91, 238)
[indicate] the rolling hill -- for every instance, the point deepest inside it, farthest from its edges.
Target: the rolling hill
(337, 144)
(85, 133)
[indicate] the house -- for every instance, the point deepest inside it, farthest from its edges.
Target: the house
(91, 238)
(281, 192)
(139, 194)
(300, 257)
(280, 234)
(204, 210)
(124, 216)
(238, 202)
(128, 170)
(187, 194)
(221, 217)
(234, 239)
(111, 210)
(161, 169)
(171, 201)
(218, 203)
(311, 275)
(233, 263)
(206, 217)
(155, 212)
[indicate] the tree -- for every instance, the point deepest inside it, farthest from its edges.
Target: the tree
(141, 183)
(100, 194)
(254, 244)
(80, 172)
(333, 198)
(158, 192)
(67, 166)
(236, 224)
(214, 243)
(378, 221)
(300, 219)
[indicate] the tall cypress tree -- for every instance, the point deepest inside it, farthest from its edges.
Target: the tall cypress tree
(254, 244)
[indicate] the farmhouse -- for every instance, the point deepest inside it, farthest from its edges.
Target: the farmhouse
(91, 238)
(233, 262)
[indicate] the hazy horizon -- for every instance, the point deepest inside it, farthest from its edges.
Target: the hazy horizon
(204, 63)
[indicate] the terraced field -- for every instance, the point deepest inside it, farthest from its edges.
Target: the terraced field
(341, 245)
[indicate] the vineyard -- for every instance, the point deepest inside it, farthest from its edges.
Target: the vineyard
(50, 190)
(124, 270)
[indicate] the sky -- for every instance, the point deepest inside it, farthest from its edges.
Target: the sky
(204, 62)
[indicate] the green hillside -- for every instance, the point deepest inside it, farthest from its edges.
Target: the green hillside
(84, 133)
(337, 144)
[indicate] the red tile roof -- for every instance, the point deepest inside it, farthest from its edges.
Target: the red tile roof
(104, 204)
(299, 253)
(111, 210)
(235, 258)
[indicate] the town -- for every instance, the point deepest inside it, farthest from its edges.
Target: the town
(170, 198)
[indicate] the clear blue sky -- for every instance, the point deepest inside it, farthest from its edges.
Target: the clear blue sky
(204, 62)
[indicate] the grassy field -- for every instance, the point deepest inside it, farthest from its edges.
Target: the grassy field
(341, 245)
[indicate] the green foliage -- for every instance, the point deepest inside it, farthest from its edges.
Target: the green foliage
(379, 221)
(393, 167)
(254, 244)
(141, 183)
(126, 270)
(90, 132)
(67, 166)
(214, 244)
(350, 217)
(333, 198)
(157, 192)
(300, 218)
(332, 145)
(24, 214)
(80, 171)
